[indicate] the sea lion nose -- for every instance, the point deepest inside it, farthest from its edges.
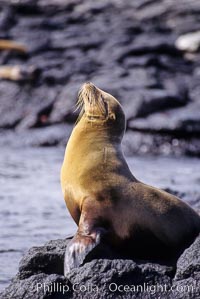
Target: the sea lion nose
(89, 85)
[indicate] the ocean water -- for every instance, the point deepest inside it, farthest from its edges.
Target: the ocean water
(32, 209)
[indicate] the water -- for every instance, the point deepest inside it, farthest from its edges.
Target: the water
(32, 209)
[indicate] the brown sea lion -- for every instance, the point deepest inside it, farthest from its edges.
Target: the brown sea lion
(6, 44)
(18, 72)
(106, 201)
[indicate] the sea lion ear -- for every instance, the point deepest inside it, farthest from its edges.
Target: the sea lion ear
(112, 116)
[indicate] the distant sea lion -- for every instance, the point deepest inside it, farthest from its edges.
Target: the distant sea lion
(6, 44)
(14, 72)
(18, 72)
(104, 198)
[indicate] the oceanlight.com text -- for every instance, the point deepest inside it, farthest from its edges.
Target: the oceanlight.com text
(115, 288)
(151, 289)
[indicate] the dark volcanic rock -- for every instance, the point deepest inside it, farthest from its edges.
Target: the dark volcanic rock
(33, 285)
(41, 276)
(189, 262)
(129, 48)
(11, 110)
(153, 100)
(182, 121)
(46, 136)
(47, 259)
(63, 109)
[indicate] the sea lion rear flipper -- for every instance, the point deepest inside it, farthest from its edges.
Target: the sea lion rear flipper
(78, 248)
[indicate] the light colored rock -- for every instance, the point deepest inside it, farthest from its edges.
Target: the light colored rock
(189, 42)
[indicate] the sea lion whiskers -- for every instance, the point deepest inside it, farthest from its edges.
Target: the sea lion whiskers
(79, 102)
(79, 106)
(96, 100)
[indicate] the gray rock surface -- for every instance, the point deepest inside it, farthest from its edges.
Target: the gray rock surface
(129, 48)
(47, 136)
(41, 276)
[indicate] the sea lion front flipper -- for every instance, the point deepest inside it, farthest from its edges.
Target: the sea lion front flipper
(79, 247)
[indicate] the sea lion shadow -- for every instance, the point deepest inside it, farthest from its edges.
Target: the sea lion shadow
(104, 251)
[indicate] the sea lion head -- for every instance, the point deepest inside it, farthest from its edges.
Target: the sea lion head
(100, 110)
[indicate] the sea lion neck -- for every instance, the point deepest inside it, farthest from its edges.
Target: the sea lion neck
(107, 129)
(95, 133)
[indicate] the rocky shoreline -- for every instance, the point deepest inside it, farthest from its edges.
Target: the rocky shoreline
(40, 276)
(134, 142)
(103, 275)
(146, 53)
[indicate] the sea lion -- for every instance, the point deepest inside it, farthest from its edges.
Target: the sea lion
(14, 72)
(106, 201)
(6, 44)
(18, 72)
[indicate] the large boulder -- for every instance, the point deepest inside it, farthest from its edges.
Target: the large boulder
(41, 276)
